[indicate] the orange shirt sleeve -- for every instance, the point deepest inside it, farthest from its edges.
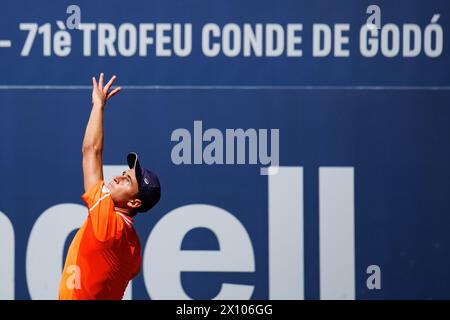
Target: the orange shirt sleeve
(100, 205)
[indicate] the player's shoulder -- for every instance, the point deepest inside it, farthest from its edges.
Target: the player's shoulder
(125, 220)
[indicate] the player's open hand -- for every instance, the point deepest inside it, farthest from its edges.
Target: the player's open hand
(101, 93)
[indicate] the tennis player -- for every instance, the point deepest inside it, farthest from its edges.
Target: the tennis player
(105, 254)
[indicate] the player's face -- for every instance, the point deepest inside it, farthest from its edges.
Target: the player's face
(124, 188)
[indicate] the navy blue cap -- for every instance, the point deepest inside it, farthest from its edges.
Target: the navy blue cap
(148, 184)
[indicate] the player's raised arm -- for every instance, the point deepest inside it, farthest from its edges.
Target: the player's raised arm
(93, 138)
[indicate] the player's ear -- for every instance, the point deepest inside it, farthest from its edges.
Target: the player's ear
(134, 203)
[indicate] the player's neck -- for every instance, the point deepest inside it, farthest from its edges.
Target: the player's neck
(124, 211)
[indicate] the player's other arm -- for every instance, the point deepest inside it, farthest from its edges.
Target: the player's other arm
(93, 138)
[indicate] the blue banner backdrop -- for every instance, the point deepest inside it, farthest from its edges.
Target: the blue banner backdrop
(383, 123)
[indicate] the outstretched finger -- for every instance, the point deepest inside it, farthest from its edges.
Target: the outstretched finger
(114, 92)
(100, 81)
(109, 84)
(94, 83)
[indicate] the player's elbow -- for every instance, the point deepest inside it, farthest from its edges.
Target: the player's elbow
(91, 149)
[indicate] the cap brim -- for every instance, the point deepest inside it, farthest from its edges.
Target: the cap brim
(133, 163)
